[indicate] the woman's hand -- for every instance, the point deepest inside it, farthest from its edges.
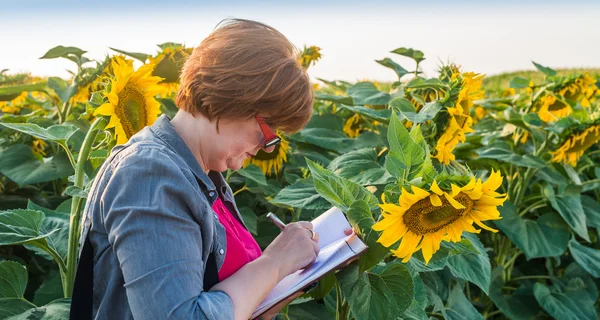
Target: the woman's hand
(293, 248)
(273, 311)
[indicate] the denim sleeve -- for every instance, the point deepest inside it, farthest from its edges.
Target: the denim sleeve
(147, 213)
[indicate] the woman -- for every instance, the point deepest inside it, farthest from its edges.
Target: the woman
(160, 216)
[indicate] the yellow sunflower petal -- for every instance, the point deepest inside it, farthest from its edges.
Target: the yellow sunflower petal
(435, 200)
(436, 189)
(454, 203)
(483, 226)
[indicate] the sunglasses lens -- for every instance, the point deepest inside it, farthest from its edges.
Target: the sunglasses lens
(273, 142)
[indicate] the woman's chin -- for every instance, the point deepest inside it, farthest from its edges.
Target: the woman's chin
(234, 165)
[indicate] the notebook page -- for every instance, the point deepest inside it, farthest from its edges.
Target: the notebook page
(343, 253)
(330, 226)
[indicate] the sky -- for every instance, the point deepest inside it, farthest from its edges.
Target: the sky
(483, 36)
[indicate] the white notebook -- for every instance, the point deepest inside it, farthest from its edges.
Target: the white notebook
(336, 249)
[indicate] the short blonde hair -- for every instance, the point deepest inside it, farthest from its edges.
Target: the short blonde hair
(244, 68)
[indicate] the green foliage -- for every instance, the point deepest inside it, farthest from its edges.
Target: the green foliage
(543, 261)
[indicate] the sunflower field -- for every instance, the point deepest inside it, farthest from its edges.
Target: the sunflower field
(478, 198)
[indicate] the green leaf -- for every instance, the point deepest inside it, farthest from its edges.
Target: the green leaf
(20, 165)
(560, 305)
(325, 138)
(459, 307)
(367, 93)
(337, 190)
(325, 285)
(474, 268)
(57, 309)
(532, 119)
(382, 115)
(14, 306)
(63, 52)
(310, 310)
(415, 312)
(58, 133)
(11, 92)
(432, 83)
(407, 109)
(74, 191)
(22, 226)
(360, 166)
(588, 258)
(545, 237)
(570, 208)
(360, 217)
(592, 210)
(13, 279)
(62, 88)
(501, 151)
(519, 82)
(50, 290)
(521, 305)
(53, 220)
(389, 63)
(136, 55)
(334, 98)
(252, 172)
(406, 158)
(381, 295)
(301, 194)
(437, 262)
(416, 55)
(545, 70)
(250, 219)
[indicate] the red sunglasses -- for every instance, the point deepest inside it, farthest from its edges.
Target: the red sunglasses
(271, 139)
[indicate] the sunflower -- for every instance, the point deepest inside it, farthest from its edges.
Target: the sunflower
(460, 120)
(552, 108)
(309, 55)
(424, 218)
(131, 104)
(168, 65)
(574, 147)
(270, 163)
(352, 127)
(97, 83)
(20, 102)
(38, 147)
(426, 94)
(581, 89)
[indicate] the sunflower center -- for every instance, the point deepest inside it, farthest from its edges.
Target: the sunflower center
(558, 105)
(262, 155)
(423, 217)
(131, 110)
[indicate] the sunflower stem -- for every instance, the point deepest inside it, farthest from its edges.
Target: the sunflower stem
(535, 205)
(530, 278)
(76, 205)
(240, 190)
(69, 154)
(590, 181)
(491, 314)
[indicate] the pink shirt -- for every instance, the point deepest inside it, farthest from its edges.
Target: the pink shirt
(241, 246)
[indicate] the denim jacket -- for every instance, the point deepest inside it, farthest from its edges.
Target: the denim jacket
(151, 226)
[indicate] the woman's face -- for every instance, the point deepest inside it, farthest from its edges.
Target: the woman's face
(235, 141)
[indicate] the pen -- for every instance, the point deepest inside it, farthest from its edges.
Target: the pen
(276, 220)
